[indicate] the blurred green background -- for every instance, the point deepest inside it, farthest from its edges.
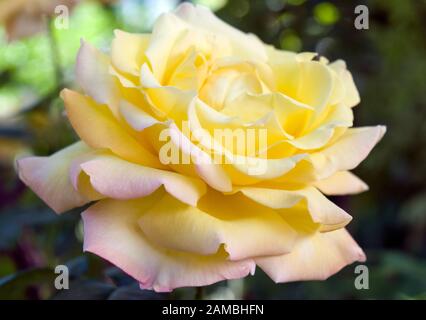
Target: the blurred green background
(388, 62)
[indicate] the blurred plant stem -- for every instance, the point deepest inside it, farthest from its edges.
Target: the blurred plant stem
(57, 68)
(199, 293)
(56, 61)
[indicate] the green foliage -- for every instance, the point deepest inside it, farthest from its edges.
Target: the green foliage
(326, 13)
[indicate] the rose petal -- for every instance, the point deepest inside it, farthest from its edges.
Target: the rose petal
(167, 29)
(128, 51)
(137, 118)
(49, 177)
(242, 169)
(347, 152)
(315, 257)
(92, 73)
(321, 210)
(213, 174)
(111, 232)
(165, 100)
(245, 45)
(339, 116)
(99, 129)
(351, 95)
(120, 179)
(341, 183)
(309, 82)
(245, 228)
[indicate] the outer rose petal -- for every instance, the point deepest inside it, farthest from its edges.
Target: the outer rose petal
(347, 152)
(92, 73)
(245, 228)
(120, 179)
(49, 177)
(111, 232)
(322, 211)
(99, 129)
(341, 183)
(315, 257)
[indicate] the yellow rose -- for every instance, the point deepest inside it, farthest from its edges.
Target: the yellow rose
(275, 126)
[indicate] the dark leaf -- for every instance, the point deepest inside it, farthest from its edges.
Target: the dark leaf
(16, 286)
(133, 292)
(85, 290)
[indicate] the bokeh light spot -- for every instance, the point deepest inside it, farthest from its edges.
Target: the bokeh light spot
(326, 13)
(290, 41)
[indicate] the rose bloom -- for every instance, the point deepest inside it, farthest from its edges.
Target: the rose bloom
(177, 224)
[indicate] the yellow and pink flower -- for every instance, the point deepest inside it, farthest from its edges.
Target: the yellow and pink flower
(174, 224)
